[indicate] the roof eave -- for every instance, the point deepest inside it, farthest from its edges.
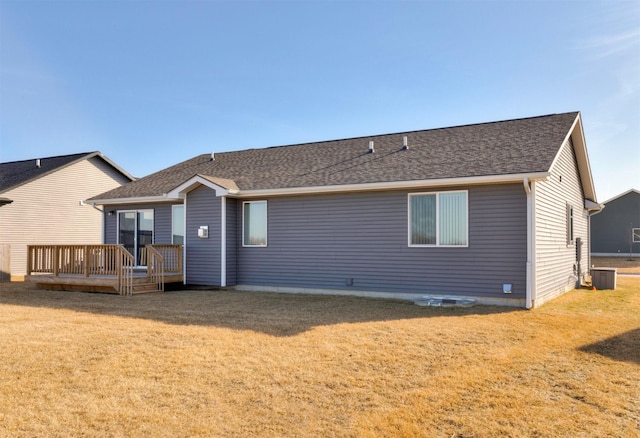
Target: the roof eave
(86, 156)
(203, 180)
(576, 133)
(114, 165)
(622, 195)
(395, 185)
(133, 200)
(177, 194)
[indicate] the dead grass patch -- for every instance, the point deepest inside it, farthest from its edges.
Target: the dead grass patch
(206, 363)
(625, 265)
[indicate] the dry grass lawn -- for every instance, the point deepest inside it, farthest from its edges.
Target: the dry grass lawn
(625, 265)
(207, 363)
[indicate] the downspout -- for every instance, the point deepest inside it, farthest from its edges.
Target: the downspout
(223, 241)
(104, 220)
(590, 214)
(184, 242)
(529, 188)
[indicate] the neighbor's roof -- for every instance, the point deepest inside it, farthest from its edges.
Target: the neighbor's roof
(16, 173)
(521, 146)
(622, 195)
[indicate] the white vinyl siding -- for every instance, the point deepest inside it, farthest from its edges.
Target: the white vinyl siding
(570, 233)
(557, 267)
(48, 210)
(254, 220)
(438, 219)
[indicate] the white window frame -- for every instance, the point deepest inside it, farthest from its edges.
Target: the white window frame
(184, 222)
(635, 232)
(136, 211)
(266, 227)
(437, 244)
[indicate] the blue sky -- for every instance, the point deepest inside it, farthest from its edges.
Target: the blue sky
(151, 84)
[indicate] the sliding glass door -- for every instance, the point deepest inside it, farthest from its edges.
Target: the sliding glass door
(135, 231)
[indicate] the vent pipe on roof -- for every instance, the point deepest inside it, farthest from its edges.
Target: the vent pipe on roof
(213, 156)
(38, 163)
(371, 149)
(405, 144)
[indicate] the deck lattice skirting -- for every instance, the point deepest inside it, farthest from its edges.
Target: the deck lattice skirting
(106, 268)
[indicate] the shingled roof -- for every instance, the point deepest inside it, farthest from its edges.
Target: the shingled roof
(521, 146)
(16, 173)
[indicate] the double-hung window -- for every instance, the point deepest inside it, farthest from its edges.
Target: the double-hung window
(439, 219)
(254, 223)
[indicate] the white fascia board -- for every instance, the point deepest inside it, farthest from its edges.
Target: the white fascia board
(193, 183)
(115, 166)
(138, 200)
(582, 157)
(396, 185)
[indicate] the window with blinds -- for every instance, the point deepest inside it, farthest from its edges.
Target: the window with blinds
(438, 219)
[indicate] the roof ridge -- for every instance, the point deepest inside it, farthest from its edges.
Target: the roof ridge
(396, 133)
(49, 158)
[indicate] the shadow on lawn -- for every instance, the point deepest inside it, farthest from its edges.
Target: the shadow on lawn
(624, 347)
(270, 313)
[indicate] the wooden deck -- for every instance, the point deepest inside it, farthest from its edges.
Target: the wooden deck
(103, 268)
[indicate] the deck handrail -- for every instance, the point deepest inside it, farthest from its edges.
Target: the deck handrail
(155, 267)
(172, 255)
(125, 272)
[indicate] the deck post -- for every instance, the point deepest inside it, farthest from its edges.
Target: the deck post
(55, 259)
(29, 250)
(86, 261)
(118, 266)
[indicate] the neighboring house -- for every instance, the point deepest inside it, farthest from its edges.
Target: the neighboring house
(494, 211)
(42, 202)
(616, 230)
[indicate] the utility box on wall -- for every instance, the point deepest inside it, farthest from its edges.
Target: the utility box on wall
(603, 278)
(203, 232)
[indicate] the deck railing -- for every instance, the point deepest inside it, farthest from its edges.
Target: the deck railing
(104, 260)
(83, 260)
(155, 267)
(172, 255)
(125, 272)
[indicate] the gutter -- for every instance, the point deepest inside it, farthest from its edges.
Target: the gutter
(393, 185)
(176, 194)
(140, 200)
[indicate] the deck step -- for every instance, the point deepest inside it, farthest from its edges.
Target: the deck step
(144, 288)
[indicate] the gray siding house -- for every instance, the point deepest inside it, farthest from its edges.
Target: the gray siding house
(42, 202)
(616, 230)
(496, 211)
